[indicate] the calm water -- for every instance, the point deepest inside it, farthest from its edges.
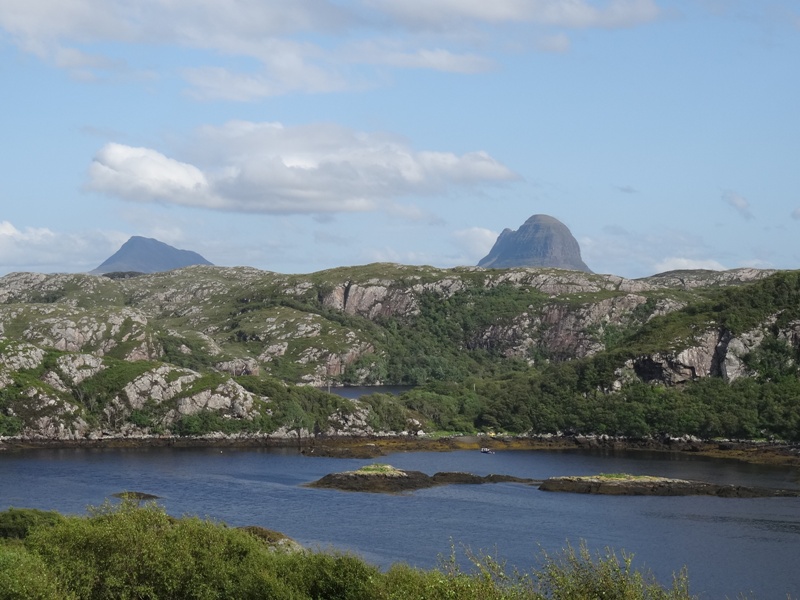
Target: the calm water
(728, 545)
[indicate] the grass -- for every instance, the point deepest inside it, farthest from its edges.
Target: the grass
(379, 469)
(625, 476)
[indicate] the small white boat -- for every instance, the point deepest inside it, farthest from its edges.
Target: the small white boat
(487, 451)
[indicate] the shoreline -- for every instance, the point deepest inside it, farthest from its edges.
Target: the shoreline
(772, 453)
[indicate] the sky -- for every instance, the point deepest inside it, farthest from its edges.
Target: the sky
(296, 136)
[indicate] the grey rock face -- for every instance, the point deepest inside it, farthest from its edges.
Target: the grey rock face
(146, 255)
(542, 241)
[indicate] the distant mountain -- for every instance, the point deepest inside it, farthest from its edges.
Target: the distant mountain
(542, 241)
(146, 255)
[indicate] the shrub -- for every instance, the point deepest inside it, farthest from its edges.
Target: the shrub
(579, 575)
(129, 552)
(24, 576)
(16, 523)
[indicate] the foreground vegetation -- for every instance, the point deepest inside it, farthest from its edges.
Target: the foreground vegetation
(139, 552)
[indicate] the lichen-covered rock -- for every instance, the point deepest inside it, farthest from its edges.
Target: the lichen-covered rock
(229, 397)
(372, 300)
(561, 330)
(75, 368)
(21, 356)
(239, 366)
(159, 384)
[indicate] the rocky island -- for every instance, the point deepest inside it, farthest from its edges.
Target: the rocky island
(381, 478)
(623, 484)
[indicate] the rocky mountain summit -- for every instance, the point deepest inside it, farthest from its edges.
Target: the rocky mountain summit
(146, 255)
(211, 348)
(542, 241)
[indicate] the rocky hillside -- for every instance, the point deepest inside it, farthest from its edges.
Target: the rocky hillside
(207, 347)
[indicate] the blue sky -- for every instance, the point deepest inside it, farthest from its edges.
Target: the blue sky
(304, 135)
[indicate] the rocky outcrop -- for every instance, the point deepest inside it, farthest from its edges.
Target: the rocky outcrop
(713, 353)
(164, 390)
(542, 241)
(372, 299)
(700, 278)
(389, 480)
(20, 356)
(239, 366)
(229, 397)
(631, 485)
(74, 329)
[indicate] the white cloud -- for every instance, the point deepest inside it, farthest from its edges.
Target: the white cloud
(42, 249)
(474, 243)
(60, 31)
(635, 254)
(392, 53)
(756, 263)
(674, 263)
(561, 13)
(268, 168)
(739, 203)
(218, 83)
(796, 214)
(307, 46)
(144, 175)
(215, 24)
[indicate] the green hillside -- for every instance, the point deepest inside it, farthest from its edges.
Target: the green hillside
(240, 351)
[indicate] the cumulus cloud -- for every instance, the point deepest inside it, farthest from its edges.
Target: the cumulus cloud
(561, 13)
(59, 31)
(218, 83)
(674, 263)
(738, 203)
(144, 175)
(630, 253)
(474, 243)
(395, 53)
(268, 168)
(307, 46)
(42, 249)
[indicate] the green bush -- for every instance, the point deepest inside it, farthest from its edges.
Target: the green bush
(25, 576)
(130, 552)
(16, 523)
(579, 575)
(329, 575)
